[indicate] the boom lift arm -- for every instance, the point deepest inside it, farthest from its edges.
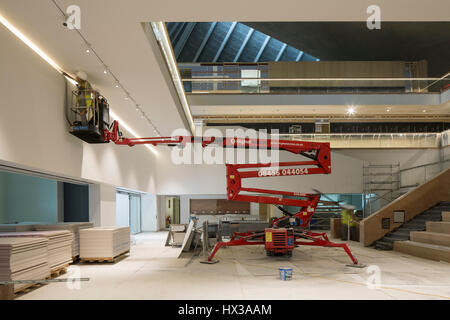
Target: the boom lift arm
(319, 162)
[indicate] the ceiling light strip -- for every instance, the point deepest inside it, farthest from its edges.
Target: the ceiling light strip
(160, 31)
(29, 43)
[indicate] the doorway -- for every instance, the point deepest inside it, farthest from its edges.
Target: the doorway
(128, 211)
(172, 210)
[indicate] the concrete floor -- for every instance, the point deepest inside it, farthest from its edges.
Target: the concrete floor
(153, 271)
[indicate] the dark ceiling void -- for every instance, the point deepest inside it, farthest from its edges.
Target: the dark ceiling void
(353, 41)
(228, 42)
(349, 127)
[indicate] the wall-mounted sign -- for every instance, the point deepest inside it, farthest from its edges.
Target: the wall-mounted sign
(399, 216)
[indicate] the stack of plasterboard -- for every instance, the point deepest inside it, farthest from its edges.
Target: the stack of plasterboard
(59, 245)
(73, 227)
(104, 242)
(23, 259)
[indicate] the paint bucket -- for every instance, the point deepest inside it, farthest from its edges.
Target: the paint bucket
(285, 273)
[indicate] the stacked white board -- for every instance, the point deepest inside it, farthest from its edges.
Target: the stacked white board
(104, 242)
(59, 245)
(23, 258)
(73, 227)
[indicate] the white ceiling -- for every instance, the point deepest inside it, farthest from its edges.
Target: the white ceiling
(113, 28)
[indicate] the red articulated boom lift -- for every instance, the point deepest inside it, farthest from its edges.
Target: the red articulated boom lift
(281, 237)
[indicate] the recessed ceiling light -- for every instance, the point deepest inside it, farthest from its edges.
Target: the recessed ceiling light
(351, 110)
(424, 110)
(87, 51)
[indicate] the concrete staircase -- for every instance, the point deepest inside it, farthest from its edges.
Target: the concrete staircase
(432, 216)
(433, 244)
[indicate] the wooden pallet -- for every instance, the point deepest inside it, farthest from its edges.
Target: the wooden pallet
(7, 291)
(107, 260)
(58, 271)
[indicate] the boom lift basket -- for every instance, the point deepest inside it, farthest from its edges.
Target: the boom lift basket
(89, 116)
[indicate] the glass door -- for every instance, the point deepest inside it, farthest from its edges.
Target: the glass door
(122, 209)
(135, 213)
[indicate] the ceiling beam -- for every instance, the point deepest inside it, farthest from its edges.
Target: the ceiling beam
(224, 41)
(299, 56)
(183, 38)
(177, 33)
(280, 53)
(261, 50)
(247, 37)
(172, 28)
(205, 40)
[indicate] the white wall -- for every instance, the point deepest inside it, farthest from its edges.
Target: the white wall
(346, 177)
(406, 157)
(149, 221)
(34, 131)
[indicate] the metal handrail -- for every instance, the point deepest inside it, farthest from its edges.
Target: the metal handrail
(424, 165)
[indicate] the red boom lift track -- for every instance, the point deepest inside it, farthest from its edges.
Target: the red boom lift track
(276, 239)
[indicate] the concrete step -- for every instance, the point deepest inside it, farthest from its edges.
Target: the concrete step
(438, 226)
(402, 232)
(393, 237)
(413, 227)
(434, 215)
(432, 211)
(423, 250)
(446, 216)
(441, 239)
(382, 245)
